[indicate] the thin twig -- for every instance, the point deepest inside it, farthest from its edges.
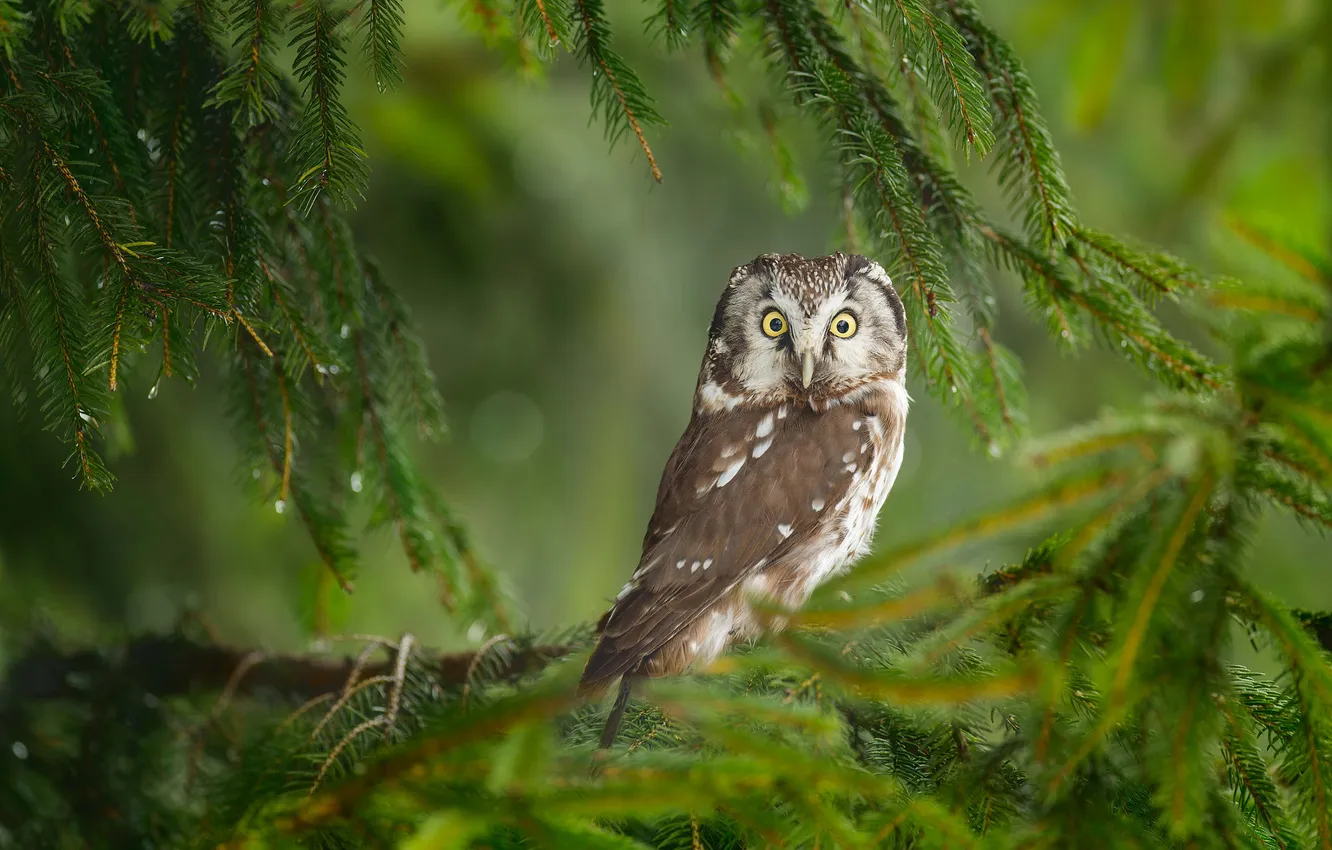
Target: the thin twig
(386, 720)
(258, 341)
(476, 660)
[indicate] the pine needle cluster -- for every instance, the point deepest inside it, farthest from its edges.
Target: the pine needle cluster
(1086, 696)
(166, 183)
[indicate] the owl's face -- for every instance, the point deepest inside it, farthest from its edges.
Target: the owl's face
(787, 328)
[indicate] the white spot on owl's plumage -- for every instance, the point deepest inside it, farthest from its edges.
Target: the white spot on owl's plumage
(693, 568)
(764, 427)
(761, 448)
(855, 426)
(851, 468)
(729, 450)
(707, 562)
(713, 396)
(848, 457)
(781, 412)
(756, 585)
(817, 504)
(628, 588)
(901, 399)
(784, 529)
(679, 565)
(713, 633)
(729, 472)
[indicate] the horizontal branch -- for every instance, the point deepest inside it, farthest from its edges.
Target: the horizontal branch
(174, 665)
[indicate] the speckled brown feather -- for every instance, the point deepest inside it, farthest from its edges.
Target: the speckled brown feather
(750, 523)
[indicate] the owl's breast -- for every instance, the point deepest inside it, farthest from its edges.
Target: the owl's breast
(763, 503)
(867, 494)
(847, 531)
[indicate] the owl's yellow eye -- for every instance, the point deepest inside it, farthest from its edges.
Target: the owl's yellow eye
(843, 325)
(774, 325)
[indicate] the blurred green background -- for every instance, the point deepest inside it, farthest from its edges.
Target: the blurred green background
(565, 298)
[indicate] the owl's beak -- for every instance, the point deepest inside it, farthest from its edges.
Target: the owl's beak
(807, 369)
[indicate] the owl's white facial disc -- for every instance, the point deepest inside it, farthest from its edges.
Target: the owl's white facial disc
(840, 321)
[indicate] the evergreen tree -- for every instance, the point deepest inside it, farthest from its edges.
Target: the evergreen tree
(1082, 697)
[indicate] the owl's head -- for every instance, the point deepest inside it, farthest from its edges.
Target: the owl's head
(791, 328)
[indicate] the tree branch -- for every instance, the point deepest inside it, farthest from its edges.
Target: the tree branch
(175, 665)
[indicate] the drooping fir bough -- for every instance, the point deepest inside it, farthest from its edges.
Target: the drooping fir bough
(169, 180)
(167, 186)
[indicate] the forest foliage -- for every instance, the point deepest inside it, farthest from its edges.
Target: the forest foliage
(1084, 696)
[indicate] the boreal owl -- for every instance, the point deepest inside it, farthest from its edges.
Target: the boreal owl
(794, 442)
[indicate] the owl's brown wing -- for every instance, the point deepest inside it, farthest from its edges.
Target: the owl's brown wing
(741, 490)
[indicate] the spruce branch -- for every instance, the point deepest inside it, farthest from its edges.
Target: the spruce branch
(1298, 259)
(381, 23)
(670, 23)
(1158, 272)
(988, 616)
(57, 326)
(251, 83)
(397, 485)
(546, 22)
(1289, 636)
(717, 22)
(1112, 308)
(1005, 381)
(1305, 759)
(397, 680)
(175, 143)
(1303, 303)
(311, 347)
(325, 523)
(1293, 490)
(499, 716)
(254, 335)
(14, 24)
(112, 140)
(1060, 495)
(156, 276)
(1311, 764)
(13, 319)
(1251, 777)
(617, 94)
(1028, 164)
(416, 382)
(326, 148)
(958, 87)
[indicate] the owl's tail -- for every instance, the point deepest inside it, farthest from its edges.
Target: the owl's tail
(607, 662)
(616, 716)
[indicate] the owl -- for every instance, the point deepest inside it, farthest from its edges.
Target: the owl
(794, 441)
